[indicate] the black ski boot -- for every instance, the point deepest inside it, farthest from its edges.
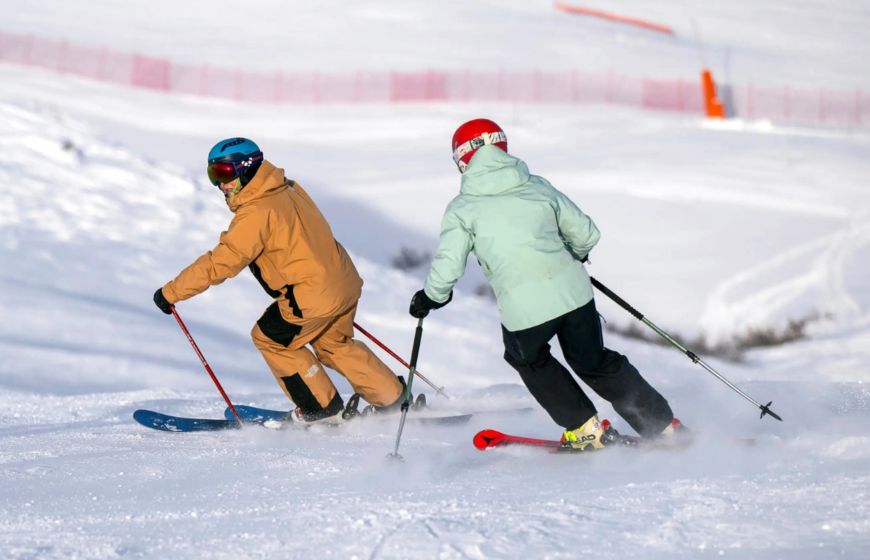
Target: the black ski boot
(332, 414)
(416, 405)
(351, 411)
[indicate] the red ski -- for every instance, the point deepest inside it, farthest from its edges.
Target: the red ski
(491, 438)
(488, 439)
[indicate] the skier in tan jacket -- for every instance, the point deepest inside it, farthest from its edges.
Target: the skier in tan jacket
(281, 236)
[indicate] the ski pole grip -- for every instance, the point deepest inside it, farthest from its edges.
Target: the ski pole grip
(621, 302)
(415, 351)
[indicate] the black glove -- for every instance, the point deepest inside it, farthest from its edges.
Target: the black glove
(421, 304)
(160, 301)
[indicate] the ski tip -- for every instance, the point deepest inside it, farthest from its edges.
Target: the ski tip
(487, 438)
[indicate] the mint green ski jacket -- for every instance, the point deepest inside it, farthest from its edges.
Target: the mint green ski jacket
(527, 236)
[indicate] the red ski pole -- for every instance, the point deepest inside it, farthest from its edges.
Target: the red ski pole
(207, 367)
(439, 391)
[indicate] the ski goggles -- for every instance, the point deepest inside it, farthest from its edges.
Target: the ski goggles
(228, 171)
(475, 143)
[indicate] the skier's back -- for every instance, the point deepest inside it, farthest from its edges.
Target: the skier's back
(523, 232)
(531, 241)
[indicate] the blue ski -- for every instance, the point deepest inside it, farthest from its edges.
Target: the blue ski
(254, 414)
(167, 423)
(261, 415)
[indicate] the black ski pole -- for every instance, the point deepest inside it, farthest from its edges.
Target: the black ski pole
(418, 336)
(765, 408)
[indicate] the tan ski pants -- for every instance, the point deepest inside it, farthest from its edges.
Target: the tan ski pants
(300, 372)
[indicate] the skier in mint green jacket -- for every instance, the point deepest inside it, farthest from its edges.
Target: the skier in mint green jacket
(531, 242)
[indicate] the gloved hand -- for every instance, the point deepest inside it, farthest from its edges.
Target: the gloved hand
(585, 259)
(421, 304)
(160, 301)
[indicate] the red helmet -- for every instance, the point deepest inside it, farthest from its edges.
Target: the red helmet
(471, 136)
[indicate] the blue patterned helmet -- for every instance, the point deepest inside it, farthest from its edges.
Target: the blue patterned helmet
(244, 156)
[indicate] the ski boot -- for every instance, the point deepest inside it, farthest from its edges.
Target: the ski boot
(416, 405)
(675, 429)
(331, 415)
(675, 435)
(351, 411)
(591, 436)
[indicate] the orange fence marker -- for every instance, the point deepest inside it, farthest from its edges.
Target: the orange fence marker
(713, 104)
(613, 17)
(831, 107)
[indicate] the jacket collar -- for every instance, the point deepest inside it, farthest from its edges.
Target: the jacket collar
(492, 171)
(269, 180)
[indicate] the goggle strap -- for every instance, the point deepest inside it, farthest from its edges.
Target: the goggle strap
(484, 139)
(248, 162)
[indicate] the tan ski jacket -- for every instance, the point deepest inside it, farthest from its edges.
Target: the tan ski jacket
(281, 235)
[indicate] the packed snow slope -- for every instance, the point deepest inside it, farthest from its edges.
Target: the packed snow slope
(714, 229)
(805, 43)
(109, 201)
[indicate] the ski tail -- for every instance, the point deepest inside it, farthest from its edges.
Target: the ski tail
(255, 414)
(504, 412)
(455, 420)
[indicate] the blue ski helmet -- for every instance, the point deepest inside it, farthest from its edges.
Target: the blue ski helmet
(244, 154)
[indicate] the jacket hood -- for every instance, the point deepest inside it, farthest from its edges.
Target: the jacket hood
(269, 180)
(493, 171)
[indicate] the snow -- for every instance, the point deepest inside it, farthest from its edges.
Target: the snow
(707, 228)
(262, 493)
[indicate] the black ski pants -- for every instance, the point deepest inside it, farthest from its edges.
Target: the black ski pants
(606, 372)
